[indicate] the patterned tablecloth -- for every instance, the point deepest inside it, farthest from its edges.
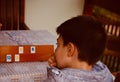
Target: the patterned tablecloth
(27, 37)
(23, 72)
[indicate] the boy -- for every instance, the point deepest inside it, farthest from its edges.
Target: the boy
(80, 44)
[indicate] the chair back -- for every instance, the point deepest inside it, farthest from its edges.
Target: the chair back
(111, 56)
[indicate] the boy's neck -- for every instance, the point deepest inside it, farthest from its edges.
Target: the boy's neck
(81, 65)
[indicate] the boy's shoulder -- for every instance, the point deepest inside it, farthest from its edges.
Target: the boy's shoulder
(76, 75)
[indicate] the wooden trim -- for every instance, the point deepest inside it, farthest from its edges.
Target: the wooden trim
(9, 13)
(3, 14)
(22, 24)
(12, 14)
(42, 53)
(16, 14)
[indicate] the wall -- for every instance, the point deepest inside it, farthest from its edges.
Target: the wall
(48, 14)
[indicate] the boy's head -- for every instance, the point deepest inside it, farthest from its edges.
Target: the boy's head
(85, 34)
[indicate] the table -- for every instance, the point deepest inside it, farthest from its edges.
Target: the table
(23, 72)
(26, 45)
(26, 66)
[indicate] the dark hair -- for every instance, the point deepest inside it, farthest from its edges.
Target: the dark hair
(87, 34)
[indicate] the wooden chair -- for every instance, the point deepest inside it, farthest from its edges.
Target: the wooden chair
(112, 60)
(111, 56)
(113, 30)
(113, 36)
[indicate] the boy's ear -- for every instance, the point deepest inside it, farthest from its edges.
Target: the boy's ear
(71, 49)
